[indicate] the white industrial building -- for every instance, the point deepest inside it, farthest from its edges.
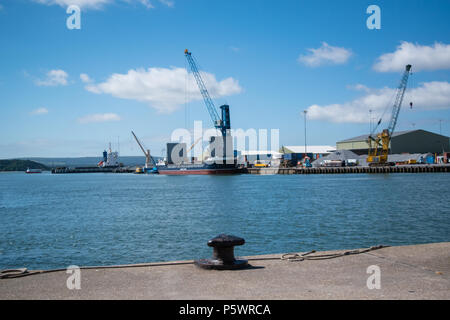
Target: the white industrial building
(316, 151)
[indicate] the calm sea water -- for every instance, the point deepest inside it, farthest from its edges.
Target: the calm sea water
(50, 221)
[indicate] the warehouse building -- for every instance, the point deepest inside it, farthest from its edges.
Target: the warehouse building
(411, 141)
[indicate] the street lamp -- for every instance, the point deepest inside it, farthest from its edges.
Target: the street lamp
(305, 111)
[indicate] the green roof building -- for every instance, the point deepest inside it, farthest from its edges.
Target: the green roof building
(411, 141)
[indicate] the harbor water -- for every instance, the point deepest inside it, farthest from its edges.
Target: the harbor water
(53, 221)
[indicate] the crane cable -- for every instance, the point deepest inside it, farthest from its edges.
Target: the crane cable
(291, 257)
(384, 112)
(411, 82)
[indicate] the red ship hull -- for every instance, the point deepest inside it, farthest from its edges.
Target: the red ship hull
(198, 172)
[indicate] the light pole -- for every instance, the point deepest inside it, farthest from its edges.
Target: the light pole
(305, 111)
(370, 121)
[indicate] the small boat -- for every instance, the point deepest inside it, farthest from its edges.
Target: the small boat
(33, 170)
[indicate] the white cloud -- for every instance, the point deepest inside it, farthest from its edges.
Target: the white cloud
(99, 117)
(168, 3)
(359, 87)
(87, 4)
(420, 57)
(164, 89)
(145, 3)
(39, 111)
(54, 78)
(428, 96)
(85, 78)
(99, 4)
(326, 54)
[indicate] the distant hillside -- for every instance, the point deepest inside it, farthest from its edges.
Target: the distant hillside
(20, 165)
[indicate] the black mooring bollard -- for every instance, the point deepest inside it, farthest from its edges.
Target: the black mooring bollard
(223, 254)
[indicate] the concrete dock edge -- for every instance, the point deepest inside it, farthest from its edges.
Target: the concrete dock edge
(406, 272)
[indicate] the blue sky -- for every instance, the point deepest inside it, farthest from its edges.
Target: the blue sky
(269, 60)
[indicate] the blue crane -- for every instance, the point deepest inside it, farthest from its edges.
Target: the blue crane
(223, 123)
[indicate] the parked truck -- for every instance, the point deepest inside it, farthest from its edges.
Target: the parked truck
(351, 162)
(332, 163)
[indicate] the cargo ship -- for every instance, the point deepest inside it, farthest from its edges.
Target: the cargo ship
(182, 166)
(110, 159)
(201, 169)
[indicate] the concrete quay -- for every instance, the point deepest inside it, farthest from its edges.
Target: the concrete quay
(417, 168)
(406, 272)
